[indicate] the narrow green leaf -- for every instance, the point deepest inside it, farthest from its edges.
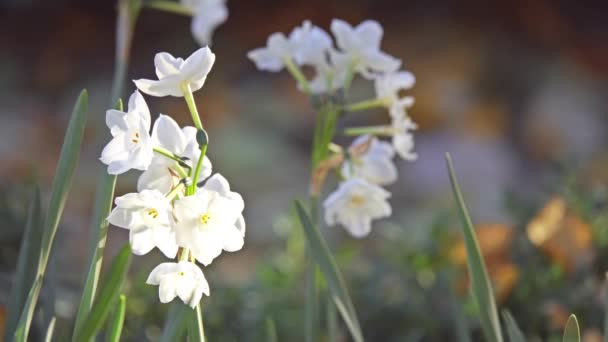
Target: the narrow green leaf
(63, 177)
(50, 330)
(271, 331)
(311, 319)
(480, 282)
(513, 331)
(23, 326)
(27, 263)
(177, 319)
(606, 314)
(321, 254)
(463, 332)
(99, 233)
(572, 332)
(118, 320)
(109, 293)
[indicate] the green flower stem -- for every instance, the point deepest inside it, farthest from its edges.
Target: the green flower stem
(199, 321)
(373, 130)
(170, 155)
(168, 6)
(191, 105)
(199, 166)
(296, 72)
(175, 191)
(364, 105)
(184, 255)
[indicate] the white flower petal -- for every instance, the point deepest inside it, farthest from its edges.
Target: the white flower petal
(168, 86)
(166, 64)
(167, 134)
(233, 239)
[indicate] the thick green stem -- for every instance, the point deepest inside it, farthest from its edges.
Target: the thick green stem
(192, 105)
(168, 6)
(199, 321)
(199, 166)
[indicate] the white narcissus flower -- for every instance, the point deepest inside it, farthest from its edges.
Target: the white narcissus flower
(148, 217)
(161, 174)
(403, 139)
(207, 16)
(375, 164)
(311, 45)
(210, 221)
(360, 47)
(130, 147)
(183, 279)
(388, 87)
(174, 73)
(355, 204)
(272, 57)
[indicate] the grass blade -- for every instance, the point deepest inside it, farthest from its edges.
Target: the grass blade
(27, 262)
(108, 295)
(513, 331)
(50, 330)
(118, 320)
(327, 264)
(572, 332)
(99, 233)
(23, 326)
(271, 330)
(176, 323)
(480, 282)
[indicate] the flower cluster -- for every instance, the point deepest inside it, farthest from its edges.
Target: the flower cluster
(179, 207)
(368, 163)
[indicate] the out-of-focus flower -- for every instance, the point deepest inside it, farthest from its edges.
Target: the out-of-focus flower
(388, 87)
(272, 57)
(183, 279)
(375, 164)
(130, 147)
(207, 16)
(176, 73)
(355, 204)
(210, 221)
(311, 45)
(360, 48)
(403, 139)
(148, 217)
(161, 174)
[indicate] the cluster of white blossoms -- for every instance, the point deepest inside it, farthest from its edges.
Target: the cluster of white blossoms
(179, 207)
(368, 165)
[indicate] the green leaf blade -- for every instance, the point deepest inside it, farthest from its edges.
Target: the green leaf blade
(513, 330)
(118, 320)
(321, 254)
(572, 331)
(480, 282)
(23, 326)
(109, 293)
(176, 322)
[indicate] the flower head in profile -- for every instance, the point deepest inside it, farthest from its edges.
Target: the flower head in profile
(182, 279)
(403, 139)
(210, 221)
(360, 47)
(355, 204)
(388, 87)
(176, 73)
(130, 147)
(161, 174)
(274, 55)
(147, 216)
(372, 160)
(207, 16)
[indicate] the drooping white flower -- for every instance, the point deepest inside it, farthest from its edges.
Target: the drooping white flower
(173, 73)
(183, 279)
(360, 47)
(388, 87)
(374, 165)
(207, 16)
(403, 139)
(161, 174)
(148, 217)
(355, 204)
(210, 221)
(130, 147)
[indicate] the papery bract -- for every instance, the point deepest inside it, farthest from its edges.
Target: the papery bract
(130, 147)
(183, 279)
(374, 165)
(173, 73)
(161, 174)
(360, 47)
(207, 16)
(210, 221)
(355, 204)
(148, 217)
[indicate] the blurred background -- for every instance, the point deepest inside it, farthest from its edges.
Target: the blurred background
(514, 90)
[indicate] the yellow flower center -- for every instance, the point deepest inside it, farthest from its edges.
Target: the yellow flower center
(181, 274)
(205, 218)
(136, 138)
(357, 200)
(152, 212)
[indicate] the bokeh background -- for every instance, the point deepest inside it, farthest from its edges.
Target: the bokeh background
(514, 90)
